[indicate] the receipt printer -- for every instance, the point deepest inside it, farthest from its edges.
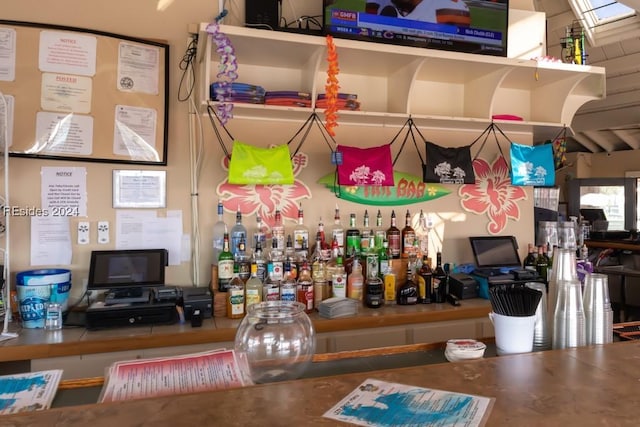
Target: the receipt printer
(463, 286)
(197, 299)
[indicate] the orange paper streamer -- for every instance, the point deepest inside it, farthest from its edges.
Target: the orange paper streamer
(331, 88)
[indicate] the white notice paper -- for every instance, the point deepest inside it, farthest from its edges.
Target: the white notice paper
(7, 54)
(64, 191)
(50, 240)
(138, 68)
(63, 52)
(145, 230)
(134, 133)
(63, 133)
(66, 92)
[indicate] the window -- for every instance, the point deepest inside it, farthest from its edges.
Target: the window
(604, 20)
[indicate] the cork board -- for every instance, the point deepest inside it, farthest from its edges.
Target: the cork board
(79, 94)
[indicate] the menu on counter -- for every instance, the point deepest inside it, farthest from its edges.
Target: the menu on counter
(380, 403)
(189, 373)
(33, 391)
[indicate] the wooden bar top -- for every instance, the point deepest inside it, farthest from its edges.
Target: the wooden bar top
(587, 386)
(71, 341)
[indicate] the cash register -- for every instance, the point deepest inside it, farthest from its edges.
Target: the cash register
(497, 262)
(134, 281)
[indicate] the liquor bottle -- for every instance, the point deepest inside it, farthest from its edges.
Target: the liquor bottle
(288, 288)
(339, 280)
(439, 281)
(277, 231)
(321, 289)
(352, 244)
(337, 231)
(253, 288)
(235, 298)
(290, 262)
(425, 281)
(219, 230)
(408, 292)
(305, 287)
(393, 237)
(238, 231)
(529, 262)
(542, 263)
(408, 238)
(242, 262)
(271, 286)
(225, 265)
(366, 236)
(276, 260)
(379, 233)
(373, 288)
(389, 283)
(422, 234)
(258, 259)
(383, 258)
(355, 281)
(301, 235)
(325, 247)
(259, 232)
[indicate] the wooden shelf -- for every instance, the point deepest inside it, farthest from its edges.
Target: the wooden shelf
(439, 89)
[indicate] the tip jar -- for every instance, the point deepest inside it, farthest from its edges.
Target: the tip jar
(277, 340)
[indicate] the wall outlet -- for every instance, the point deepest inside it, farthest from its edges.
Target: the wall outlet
(103, 232)
(83, 232)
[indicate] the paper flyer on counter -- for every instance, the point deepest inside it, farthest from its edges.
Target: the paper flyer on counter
(383, 404)
(190, 373)
(33, 391)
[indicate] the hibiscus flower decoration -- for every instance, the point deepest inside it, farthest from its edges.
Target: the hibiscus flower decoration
(265, 199)
(492, 194)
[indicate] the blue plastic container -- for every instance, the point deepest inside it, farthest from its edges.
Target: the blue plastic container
(36, 288)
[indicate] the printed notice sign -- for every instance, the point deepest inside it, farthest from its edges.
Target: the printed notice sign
(66, 92)
(64, 52)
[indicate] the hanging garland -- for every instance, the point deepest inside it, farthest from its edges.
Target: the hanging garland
(227, 72)
(331, 88)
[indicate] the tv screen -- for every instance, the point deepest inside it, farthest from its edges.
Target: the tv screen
(127, 268)
(471, 26)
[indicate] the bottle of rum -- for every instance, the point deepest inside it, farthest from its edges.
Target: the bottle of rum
(408, 238)
(305, 287)
(373, 289)
(379, 233)
(366, 236)
(321, 290)
(253, 288)
(260, 262)
(339, 280)
(242, 262)
(355, 281)
(394, 237)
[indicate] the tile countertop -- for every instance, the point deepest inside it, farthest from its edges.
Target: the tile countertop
(595, 385)
(38, 343)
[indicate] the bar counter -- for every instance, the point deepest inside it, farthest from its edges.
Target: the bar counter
(588, 386)
(71, 341)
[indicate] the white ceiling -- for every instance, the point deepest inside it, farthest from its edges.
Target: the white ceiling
(613, 123)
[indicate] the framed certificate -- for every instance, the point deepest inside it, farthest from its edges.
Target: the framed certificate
(139, 189)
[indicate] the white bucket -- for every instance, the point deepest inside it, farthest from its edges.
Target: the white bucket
(37, 288)
(514, 334)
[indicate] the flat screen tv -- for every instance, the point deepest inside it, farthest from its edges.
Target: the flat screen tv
(470, 26)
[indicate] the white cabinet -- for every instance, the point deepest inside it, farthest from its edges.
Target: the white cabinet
(437, 88)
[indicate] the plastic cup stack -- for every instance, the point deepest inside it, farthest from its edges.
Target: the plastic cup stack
(597, 309)
(541, 333)
(569, 317)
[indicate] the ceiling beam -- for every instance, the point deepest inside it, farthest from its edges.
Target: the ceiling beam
(587, 143)
(599, 138)
(613, 118)
(628, 138)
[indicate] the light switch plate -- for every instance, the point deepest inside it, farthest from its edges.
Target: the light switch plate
(83, 232)
(103, 232)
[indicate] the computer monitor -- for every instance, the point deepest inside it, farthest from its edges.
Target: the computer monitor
(117, 269)
(495, 252)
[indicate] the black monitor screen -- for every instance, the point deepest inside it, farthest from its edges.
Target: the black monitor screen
(472, 26)
(593, 214)
(127, 268)
(495, 251)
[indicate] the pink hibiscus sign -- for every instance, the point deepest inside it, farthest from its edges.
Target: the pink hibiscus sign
(492, 194)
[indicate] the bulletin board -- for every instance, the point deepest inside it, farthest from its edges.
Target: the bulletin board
(79, 94)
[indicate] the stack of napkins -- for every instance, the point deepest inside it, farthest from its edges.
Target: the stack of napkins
(333, 308)
(464, 349)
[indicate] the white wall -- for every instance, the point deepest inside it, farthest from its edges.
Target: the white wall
(169, 20)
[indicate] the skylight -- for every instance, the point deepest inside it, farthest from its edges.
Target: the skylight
(603, 19)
